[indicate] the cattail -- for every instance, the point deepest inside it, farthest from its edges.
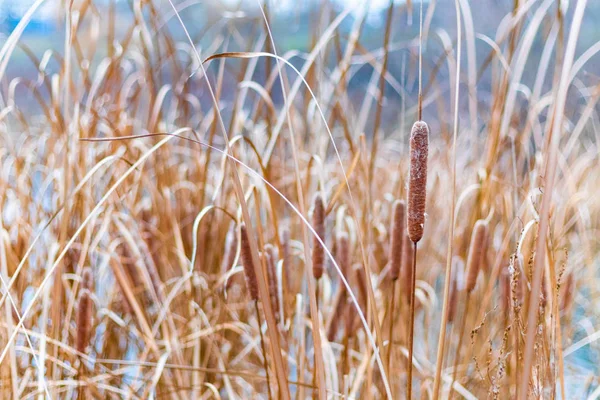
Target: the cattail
(271, 258)
(318, 254)
(417, 187)
(396, 242)
(476, 253)
(84, 311)
(248, 264)
(362, 287)
(452, 300)
(406, 269)
(343, 254)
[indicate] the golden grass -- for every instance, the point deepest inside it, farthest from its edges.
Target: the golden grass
(143, 176)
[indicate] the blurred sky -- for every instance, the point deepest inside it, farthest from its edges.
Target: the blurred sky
(14, 9)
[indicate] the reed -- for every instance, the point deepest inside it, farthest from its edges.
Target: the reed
(417, 197)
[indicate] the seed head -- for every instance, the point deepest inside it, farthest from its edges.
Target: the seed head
(417, 186)
(396, 242)
(84, 311)
(476, 253)
(318, 219)
(248, 264)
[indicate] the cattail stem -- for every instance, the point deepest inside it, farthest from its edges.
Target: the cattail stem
(262, 345)
(314, 382)
(411, 324)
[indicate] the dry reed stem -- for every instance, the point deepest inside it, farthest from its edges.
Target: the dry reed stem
(406, 269)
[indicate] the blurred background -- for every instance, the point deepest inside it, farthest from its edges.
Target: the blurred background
(297, 26)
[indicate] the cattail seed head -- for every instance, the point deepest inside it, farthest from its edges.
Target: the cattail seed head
(417, 186)
(396, 242)
(318, 253)
(248, 264)
(452, 300)
(84, 311)
(361, 281)
(476, 253)
(343, 253)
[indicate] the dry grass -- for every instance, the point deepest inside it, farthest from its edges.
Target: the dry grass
(141, 178)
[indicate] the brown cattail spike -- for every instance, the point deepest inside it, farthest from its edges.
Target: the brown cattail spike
(84, 311)
(362, 287)
(417, 186)
(476, 253)
(248, 264)
(396, 242)
(318, 253)
(343, 254)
